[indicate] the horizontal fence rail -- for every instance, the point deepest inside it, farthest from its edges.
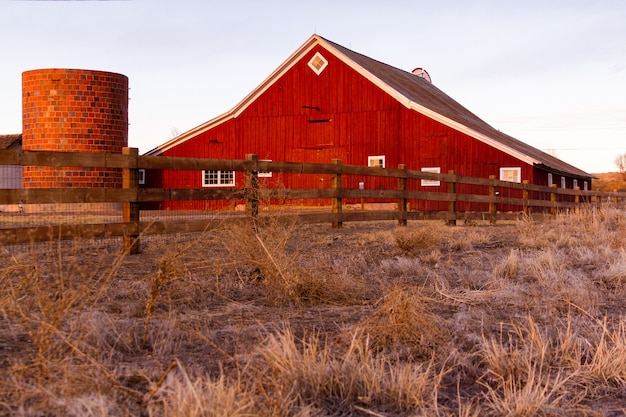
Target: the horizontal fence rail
(129, 225)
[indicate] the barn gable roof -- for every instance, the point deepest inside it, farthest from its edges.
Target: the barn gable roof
(410, 90)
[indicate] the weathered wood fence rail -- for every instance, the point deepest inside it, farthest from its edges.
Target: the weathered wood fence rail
(131, 195)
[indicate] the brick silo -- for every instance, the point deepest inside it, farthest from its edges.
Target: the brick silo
(74, 110)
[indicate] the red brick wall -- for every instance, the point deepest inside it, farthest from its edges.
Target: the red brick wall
(74, 110)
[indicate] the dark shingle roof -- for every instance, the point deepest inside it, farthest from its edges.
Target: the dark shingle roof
(10, 141)
(425, 94)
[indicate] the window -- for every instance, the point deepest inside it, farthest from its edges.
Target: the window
(376, 161)
(318, 63)
(142, 176)
(511, 174)
(218, 178)
(431, 183)
(585, 186)
(550, 182)
(563, 183)
(266, 174)
(575, 184)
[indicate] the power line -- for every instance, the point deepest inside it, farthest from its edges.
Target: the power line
(584, 149)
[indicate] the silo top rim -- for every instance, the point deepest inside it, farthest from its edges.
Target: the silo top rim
(72, 70)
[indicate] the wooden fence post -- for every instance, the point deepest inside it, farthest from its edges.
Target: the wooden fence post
(526, 197)
(593, 201)
(335, 182)
(402, 202)
(252, 189)
(130, 209)
(452, 203)
(493, 208)
(553, 201)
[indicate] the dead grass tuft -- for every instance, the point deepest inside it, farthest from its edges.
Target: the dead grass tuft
(404, 325)
(182, 395)
(415, 240)
(525, 376)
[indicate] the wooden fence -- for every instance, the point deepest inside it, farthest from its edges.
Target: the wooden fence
(130, 226)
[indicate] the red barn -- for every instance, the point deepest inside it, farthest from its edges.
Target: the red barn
(327, 101)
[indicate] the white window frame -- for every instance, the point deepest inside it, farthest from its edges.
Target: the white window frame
(505, 177)
(224, 178)
(585, 186)
(431, 183)
(563, 182)
(267, 174)
(378, 159)
(318, 63)
(574, 183)
(141, 174)
(550, 179)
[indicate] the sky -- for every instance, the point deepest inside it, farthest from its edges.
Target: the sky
(551, 73)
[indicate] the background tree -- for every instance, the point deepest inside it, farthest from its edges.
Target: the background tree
(620, 161)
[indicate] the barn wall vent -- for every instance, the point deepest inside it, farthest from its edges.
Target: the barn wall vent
(318, 63)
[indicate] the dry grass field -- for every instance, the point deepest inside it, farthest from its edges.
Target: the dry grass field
(516, 319)
(610, 182)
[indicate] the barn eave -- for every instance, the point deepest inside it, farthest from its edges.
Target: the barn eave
(557, 171)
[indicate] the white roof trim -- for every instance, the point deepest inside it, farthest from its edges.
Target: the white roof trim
(243, 104)
(291, 61)
(279, 72)
(470, 132)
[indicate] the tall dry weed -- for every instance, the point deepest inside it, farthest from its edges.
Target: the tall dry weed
(588, 227)
(308, 373)
(524, 375)
(553, 369)
(182, 395)
(509, 268)
(605, 363)
(541, 394)
(44, 296)
(51, 298)
(269, 256)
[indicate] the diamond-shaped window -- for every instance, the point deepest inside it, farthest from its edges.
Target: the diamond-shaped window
(318, 63)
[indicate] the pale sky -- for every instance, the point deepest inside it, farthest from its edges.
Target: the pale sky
(551, 73)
